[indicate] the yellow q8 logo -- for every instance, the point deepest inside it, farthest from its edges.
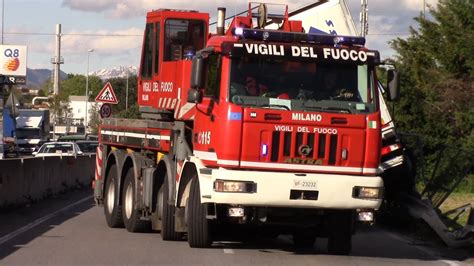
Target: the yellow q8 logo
(12, 64)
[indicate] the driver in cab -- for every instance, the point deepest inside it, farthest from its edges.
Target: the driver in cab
(332, 88)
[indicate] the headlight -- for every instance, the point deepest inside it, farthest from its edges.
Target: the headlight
(367, 192)
(235, 186)
(365, 216)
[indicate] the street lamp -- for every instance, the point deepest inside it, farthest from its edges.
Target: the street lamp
(126, 89)
(87, 89)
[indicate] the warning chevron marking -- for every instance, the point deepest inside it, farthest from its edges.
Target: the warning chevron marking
(107, 95)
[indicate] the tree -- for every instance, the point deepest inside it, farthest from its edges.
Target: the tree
(76, 85)
(94, 119)
(437, 66)
(120, 85)
(132, 112)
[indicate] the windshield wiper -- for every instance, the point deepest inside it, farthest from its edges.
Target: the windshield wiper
(329, 109)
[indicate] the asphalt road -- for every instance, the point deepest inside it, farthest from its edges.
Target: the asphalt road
(71, 230)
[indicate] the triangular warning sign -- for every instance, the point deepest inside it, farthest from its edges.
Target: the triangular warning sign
(107, 95)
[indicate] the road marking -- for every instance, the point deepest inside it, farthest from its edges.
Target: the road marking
(424, 250)
(228, 251)
(40, 221)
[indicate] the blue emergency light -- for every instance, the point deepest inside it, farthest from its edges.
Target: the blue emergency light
(264, 149)
(281, 36)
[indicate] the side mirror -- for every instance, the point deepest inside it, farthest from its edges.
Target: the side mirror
(79, 152)
(393, 84)
(197, 72)
(194, 96)
(34, 153)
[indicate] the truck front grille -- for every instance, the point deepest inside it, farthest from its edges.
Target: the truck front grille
(287, 145)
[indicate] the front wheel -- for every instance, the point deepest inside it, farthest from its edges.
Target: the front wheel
(112, 209)
(199, 230)
(340, 238)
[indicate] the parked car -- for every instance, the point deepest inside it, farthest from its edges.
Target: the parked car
(58, 149)
(87, 146)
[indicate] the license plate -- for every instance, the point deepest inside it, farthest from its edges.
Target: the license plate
(304, 184)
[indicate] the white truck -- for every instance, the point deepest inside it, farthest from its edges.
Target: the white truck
(32, 129)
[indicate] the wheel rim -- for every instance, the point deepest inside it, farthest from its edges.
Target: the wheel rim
(129, 201)
(111, 196)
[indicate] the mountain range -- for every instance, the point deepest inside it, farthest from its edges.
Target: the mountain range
(36, 77)
(116, 72)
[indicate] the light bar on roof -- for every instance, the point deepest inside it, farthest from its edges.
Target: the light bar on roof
(281, 36)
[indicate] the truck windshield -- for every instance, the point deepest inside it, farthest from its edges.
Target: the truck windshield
(302, 85)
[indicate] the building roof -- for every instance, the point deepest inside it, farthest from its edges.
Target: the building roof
(77, 98)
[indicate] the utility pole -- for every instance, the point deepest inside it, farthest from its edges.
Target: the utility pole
(364, 18)
(57, 60)
(86, 125)
(3, 17)
(1, 92)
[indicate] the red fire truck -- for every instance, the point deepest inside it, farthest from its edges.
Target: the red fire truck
(249, 129)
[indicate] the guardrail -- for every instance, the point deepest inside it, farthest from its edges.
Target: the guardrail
(26, 180)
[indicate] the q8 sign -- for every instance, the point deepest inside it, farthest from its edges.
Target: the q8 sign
(13, 60)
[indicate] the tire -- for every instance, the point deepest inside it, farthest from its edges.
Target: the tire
(130, 214)
(304, 239)
(199, 229)
(168, 232)
(112, 209)
(340, 238)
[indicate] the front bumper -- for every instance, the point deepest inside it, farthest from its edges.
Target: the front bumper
(277, 189)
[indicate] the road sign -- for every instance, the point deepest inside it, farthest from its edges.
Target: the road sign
(107, 95)
(13, 60)
(12, 80)
(105, 110)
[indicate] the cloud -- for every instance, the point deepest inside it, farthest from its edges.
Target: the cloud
(102, 41)
(125, 9)
(111, 47)
(388, 20)
(417, 5)
(89, 5)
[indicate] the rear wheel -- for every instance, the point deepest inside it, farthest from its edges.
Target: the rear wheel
(112, 209)
(167, 214)
(199, 231)
(130, 213)
(340, 238)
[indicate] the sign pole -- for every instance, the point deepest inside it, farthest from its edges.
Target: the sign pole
(1, 117)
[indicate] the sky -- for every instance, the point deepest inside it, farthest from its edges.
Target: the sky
(114, 28)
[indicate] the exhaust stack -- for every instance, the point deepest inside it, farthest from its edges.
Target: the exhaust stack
(220, 20)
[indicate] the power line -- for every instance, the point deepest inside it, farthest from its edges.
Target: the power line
(75, 34)
(389, 33)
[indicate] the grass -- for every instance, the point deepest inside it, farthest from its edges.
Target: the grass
(456, 200)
